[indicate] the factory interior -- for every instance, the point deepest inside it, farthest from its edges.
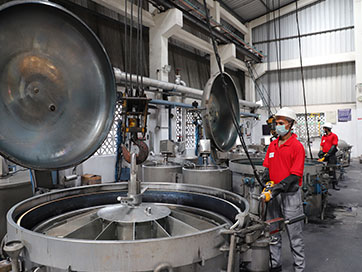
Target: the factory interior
(180, 135)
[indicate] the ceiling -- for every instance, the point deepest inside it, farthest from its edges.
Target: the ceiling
(248, 10)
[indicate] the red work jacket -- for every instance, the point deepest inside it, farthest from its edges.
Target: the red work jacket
(285, 160)
(328, 141)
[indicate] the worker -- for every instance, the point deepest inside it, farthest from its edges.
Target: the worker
(284, 166)
(327, 153)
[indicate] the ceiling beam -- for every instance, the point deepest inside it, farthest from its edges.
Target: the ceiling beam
(283, 11)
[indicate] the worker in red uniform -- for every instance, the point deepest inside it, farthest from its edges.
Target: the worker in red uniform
(284, 162)
(328, 150)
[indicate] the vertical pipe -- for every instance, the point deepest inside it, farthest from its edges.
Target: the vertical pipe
(231, 253)
(169, 123)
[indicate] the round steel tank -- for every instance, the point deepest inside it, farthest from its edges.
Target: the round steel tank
(154, 171)
(244, 182)
(209, 175)
(13, 190)
(72, 230)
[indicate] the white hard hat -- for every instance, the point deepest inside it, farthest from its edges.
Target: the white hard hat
(327, 125)
(287, 112)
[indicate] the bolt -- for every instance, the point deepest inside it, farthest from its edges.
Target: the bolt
(52, 107)
(148, 210)
(36, 90)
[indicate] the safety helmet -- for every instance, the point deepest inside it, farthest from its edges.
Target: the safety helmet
(287, 112)
(327, 125)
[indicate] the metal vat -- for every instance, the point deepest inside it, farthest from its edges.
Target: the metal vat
(64, 229)
(161, 172)
(13, 190)
(244, 182)
(209, 175)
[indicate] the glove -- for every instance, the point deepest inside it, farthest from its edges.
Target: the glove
(266, 194)
(322, 159)
(289, 184)
(320, 154)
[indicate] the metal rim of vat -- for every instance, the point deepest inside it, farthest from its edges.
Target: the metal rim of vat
(116, 255)
(207, 168)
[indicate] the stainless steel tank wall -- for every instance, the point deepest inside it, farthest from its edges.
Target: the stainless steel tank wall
(12, 191)
(212, 176)
(159, 172)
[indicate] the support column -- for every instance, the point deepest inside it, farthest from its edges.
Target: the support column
(357, 6)
(249, 83)
(166, 25)
(227, 53)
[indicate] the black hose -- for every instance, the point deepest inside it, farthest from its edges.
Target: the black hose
(302, 73)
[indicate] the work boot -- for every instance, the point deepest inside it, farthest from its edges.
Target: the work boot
(336, 187)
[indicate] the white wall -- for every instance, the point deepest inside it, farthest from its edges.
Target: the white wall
(101, 165)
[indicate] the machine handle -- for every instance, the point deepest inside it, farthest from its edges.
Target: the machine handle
(295, 219)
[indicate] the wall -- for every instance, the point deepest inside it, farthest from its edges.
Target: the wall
(328, 87)
(101, 165)
(321, 16)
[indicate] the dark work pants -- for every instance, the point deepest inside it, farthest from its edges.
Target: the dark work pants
(288, 205)
(332, 161)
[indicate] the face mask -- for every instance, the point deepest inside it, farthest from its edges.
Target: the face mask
(281, 130)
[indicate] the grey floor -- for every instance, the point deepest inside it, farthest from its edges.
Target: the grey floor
(335, 244)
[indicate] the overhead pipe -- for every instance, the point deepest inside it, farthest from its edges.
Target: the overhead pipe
(187, 91)
(171, 103)
(190, 92)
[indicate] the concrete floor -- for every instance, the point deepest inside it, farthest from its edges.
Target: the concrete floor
(335, 244)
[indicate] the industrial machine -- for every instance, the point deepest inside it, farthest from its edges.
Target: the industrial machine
(59, 107)
(244, 182)
(314, 188)
(205, 173)
(220, 134)
(164, 170)
(344, 153)
(13, 189)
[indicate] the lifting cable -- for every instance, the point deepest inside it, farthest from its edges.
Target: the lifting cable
(302, 74)
(261, 92)
(277, 51)
(233, 114)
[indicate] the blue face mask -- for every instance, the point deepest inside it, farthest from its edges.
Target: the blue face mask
(281, 130)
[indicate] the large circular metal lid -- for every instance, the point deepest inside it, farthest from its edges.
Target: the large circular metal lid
(217, 118)
(57, 87)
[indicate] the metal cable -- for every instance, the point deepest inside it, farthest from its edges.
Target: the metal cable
(130, 47)
(302, 74)
(138, 45)
(277, 54)
(280, 58)
(142, 56)
(232, 110)
(125, 43)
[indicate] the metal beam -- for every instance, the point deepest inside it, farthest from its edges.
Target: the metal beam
(232, 12)
(119, 7)
(202, 24)
(306, 35)
(261, 69)
(283, 11)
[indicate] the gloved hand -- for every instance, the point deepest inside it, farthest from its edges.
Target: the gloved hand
(320, 154)
(325, 155)
(322, 159)
(266, 194)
